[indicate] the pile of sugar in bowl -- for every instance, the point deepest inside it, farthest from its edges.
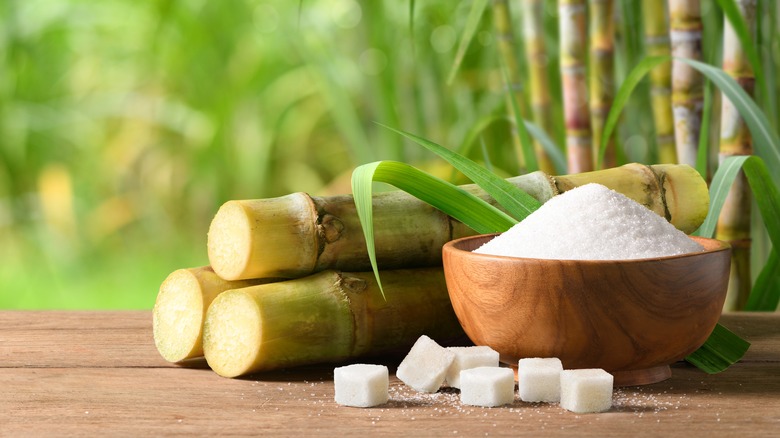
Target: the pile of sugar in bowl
(591, 222)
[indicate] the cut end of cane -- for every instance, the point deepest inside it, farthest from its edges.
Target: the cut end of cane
(177, 317)
(232, 334)
(230, 241)
(687, 196)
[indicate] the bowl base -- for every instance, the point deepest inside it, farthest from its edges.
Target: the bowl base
(642, 377)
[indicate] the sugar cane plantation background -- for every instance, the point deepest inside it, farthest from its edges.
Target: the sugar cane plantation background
(124, 125)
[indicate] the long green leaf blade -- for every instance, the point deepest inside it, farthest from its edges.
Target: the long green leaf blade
(450, 199)
(719, 189)
(766, 195)
(765, 139)
(702, 154)
(633, 79)
(549, 146)
(721, 350)
(472, 23)
(518, 203)
(526, 145)
(765, 295)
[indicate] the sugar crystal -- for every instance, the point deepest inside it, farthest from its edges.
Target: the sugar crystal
(591, 222)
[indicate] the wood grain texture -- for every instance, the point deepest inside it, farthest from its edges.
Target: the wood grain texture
(57, 390)
(627, 317)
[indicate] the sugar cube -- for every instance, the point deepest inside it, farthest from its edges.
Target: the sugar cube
(361, 385)
(487, 386)
(586, 390)
(425, 366)
(467, 358)
(539, 379)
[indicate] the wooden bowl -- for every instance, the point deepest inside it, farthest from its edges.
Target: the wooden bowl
(630, 317)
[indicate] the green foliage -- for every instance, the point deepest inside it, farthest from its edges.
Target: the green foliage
(125, 124)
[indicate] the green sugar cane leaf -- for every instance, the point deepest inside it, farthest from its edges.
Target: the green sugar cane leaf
(765, 139)
(633, 79)
(472, 23)
(767, 196)
(765, 295)
(740, 27)
(721, 350)
(549, 146)
(475, 131)
(485, 155)
(518, 203)
(526, 145)
(719, 189)
(702, 154)
(450, 199)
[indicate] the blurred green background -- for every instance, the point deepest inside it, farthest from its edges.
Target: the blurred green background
(125, 124)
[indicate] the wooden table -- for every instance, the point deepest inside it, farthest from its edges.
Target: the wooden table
(98, 373)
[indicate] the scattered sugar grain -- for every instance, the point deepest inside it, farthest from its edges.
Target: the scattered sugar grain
(591, 222)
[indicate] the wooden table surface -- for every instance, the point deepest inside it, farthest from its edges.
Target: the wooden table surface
(98, 373)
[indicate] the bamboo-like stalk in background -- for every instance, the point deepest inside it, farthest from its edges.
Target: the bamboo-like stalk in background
(295, 235)
(601, 27)
(177, 317)
(326, 317)
(573, 40)
(656, 27)
(735, 139)
(687, 83)
(538, 81)
(502, 21)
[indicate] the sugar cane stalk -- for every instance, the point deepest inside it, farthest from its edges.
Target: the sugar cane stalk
(735, 139)
(602, 78)
(538, 82)
(573, 38)
(177, 317)
(687, 82)
(326, 317)
(656, 27)
(297, 234)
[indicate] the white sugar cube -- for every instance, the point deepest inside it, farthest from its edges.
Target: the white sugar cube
(586, 390)
(487, 386)
(539, 379)
(467, 358)
(361, 385)
(425, 366)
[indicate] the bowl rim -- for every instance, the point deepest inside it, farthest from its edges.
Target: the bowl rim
(452, 246)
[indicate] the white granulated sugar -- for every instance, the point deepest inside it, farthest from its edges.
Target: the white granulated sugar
(591, 222)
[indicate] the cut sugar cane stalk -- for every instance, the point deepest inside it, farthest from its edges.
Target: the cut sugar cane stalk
(177, 317)
(296, 235)
(326, 318)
